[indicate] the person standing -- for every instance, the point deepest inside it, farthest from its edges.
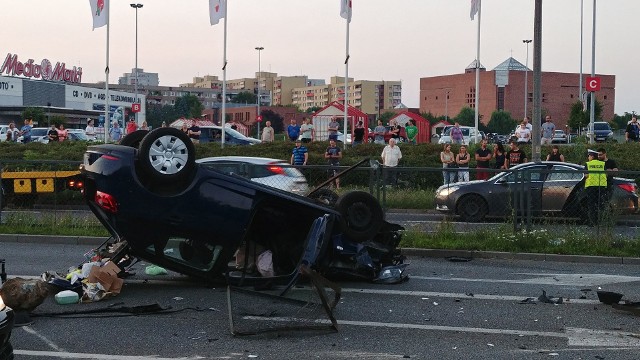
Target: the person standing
(115, 133)
(333, 128)
(500, 155)
(610, 167)
(391, 154)
(144, 126)
(333, 156)
(412, 131)
(515, 156)
(52, 134)
(448, 160)
(25, 131)
(131, 126)
(462, 159)
(555, 154)
(595, 185)
(62, 133)
(185, 128)
(456, 134)
(483, 156)
(548, 129)
(12, 132)
(632, 133)
(299, 155)
(358, 133)
(523, 134)
(90, 130)
(379, 133)
(268, 134)
(194, 133)
(293, 130)
(306, 131)
(395, 130)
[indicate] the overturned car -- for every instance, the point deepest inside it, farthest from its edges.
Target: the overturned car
(161, 206)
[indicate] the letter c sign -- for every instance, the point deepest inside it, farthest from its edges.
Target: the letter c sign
(593, 84)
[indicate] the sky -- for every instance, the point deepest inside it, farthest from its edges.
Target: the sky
(388, 40)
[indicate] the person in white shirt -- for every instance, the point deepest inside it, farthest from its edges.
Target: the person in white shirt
(90, 130)
(391, 154)
(523, 133)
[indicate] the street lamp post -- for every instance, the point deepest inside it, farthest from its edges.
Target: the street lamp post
(135, 86)
(446, 105)
(526, 75)
(259, 48)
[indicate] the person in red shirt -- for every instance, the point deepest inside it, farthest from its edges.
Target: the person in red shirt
(132, 126)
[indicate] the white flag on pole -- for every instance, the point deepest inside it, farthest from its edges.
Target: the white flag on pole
(475, 7)
(99, 11)
(217, 9)
(346, 9)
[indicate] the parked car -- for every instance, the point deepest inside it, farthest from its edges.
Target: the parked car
(468, 133)
(602, 131)
(271, 172)
(6, 325)
(387, 135)
(160, 205)
(38, 134)
(559, 137)
(77, 135)
(555, 188)
(233, 137)
(3, 132)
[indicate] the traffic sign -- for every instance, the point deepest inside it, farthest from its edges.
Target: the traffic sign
(259, 118)
(135, 107)
(593, 83)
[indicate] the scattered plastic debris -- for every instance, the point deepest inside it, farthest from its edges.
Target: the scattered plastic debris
(155, 270)
(548, 299)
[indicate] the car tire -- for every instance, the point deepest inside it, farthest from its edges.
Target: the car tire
(361, 215)
(325, 196)
(167, 156)
(472, 208)
(134, 139)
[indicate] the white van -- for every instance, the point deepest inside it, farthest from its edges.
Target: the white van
(469, 134)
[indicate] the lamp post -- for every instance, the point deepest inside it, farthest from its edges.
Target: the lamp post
(526, 75)
(135, 86)
(259, 48)
(446, 105)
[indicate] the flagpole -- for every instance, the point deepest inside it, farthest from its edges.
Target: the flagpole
(107, 120)
(346, 93)
(478, 66)
(224, 79)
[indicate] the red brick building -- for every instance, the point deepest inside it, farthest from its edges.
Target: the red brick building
(503, 89)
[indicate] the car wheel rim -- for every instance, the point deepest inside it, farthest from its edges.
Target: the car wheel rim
(472, 209)
(168, 155)
(359, 216)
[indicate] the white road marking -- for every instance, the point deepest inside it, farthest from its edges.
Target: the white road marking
(43, 338)
(68, 355)
(574, 336)
(580, 280)
(457, 295)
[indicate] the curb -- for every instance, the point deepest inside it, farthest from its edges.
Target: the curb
(414, 252)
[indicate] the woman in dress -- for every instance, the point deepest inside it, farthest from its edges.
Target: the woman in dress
(500, 155)
(462, 159)
(448, 159)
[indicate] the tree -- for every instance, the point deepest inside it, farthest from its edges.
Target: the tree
(620, 122)
(578, 117)
(386, 116)
(188, 106)
(245, 97)
(501, 122)
(57, 120)
(466, 117)
(34, 113)
(156, 114)
(313, 109)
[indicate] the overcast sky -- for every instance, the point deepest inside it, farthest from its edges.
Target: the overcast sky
(389, 40)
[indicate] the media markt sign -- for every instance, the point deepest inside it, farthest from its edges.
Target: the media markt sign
(44, 70)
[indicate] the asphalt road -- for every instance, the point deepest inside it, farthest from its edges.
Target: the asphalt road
(447, 310)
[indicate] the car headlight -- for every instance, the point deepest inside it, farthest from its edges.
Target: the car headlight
(448, 190)
(2, 305)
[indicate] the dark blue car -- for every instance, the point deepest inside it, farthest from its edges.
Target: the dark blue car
(6, 324)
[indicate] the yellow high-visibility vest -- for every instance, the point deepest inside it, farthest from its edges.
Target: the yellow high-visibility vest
(597, 175)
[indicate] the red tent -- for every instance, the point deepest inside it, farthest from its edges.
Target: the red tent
(424, 129)
(178, 123)
(322, 118)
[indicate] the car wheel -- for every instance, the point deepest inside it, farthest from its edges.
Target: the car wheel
(167, 156)
(133, 140)
(472, 208)
(361, 215)
(325, 196)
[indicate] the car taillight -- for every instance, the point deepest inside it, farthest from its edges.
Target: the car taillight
(106, 202)
(278, 170)
(628, 187)
(75, 184)
(109, 157)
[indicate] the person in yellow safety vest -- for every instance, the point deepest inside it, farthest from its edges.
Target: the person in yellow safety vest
(596, 187)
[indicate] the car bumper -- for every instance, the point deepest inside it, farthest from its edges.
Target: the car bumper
(6, 325)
